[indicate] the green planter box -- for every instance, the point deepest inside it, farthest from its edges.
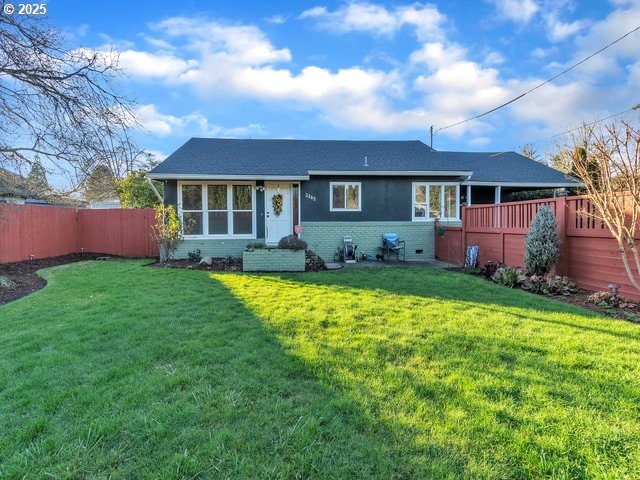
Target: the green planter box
(273, 260)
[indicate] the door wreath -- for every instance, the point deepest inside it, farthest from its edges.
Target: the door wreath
(276, 201)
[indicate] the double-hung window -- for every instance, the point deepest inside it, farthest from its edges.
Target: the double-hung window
(217, 210)
(435, 200)
(192, 217)
(345, 196)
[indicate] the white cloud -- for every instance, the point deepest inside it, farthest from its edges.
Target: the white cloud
(494, 58)
(520, 11)
(277, 19)
(558, 30)
(156, 123)
(239, 61)
(555, 106)
(541, 53)
(247, 44)
(362, 17)
(480, 142)
(437, 55)
(439, 84)
(145, 64)
(378, 20)
(158, 43)
(193, 124)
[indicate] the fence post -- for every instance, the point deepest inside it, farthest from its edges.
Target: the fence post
(562, 220)
(463, 234)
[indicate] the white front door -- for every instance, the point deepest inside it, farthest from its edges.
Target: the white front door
(281, 225)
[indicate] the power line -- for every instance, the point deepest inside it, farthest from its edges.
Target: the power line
(543, 83)
(588, 124)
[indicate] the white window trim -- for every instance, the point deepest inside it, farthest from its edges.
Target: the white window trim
(442, 205)
(205, 211)
(345, 184)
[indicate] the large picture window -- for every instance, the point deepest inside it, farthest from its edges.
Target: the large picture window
(345, 196)
(435, 200)
(217, 210)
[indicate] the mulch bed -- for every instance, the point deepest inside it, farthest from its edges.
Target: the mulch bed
(22, 275)
(23, 280)
(581, 299)
(218, 265)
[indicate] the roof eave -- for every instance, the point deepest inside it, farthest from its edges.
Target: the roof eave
(394, 173)
(200, 177)
(525, 184)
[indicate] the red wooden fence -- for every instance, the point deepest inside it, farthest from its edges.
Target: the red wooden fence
(45, 231)
(124, 232)
(589, 254)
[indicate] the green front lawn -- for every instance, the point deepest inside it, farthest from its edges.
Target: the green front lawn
(117, 370)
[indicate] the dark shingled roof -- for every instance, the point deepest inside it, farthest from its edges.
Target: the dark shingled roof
(216, 157)
(12, 185)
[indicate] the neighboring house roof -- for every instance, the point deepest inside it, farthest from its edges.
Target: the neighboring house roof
(208, 158)
(11, 185)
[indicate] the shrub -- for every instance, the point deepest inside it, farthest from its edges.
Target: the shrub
(609, 300)
(291, 242)
(195, 255)
(508, 276)
(167, 231)
(542, 248)
(549, 285)
(489, 269)
(532, 195)
(255, 246)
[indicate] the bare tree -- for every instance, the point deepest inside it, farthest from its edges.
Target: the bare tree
(607, 161)
(529, 151)
(60, 103)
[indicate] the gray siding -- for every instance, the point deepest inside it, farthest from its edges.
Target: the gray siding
(171, 193)
(386, 199)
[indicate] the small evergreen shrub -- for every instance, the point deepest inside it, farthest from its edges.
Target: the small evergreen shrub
(542, 247)
(509, 276)
(291, 242)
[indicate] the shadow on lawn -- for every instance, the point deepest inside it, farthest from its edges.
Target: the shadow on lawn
(193, 385)
(499, 405)
(339, 437)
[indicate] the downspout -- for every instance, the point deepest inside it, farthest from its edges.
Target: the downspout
(155, 190)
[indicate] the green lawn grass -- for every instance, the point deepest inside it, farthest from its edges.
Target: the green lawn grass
(116, 370)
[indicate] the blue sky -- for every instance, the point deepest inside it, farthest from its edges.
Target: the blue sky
(364, 70)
